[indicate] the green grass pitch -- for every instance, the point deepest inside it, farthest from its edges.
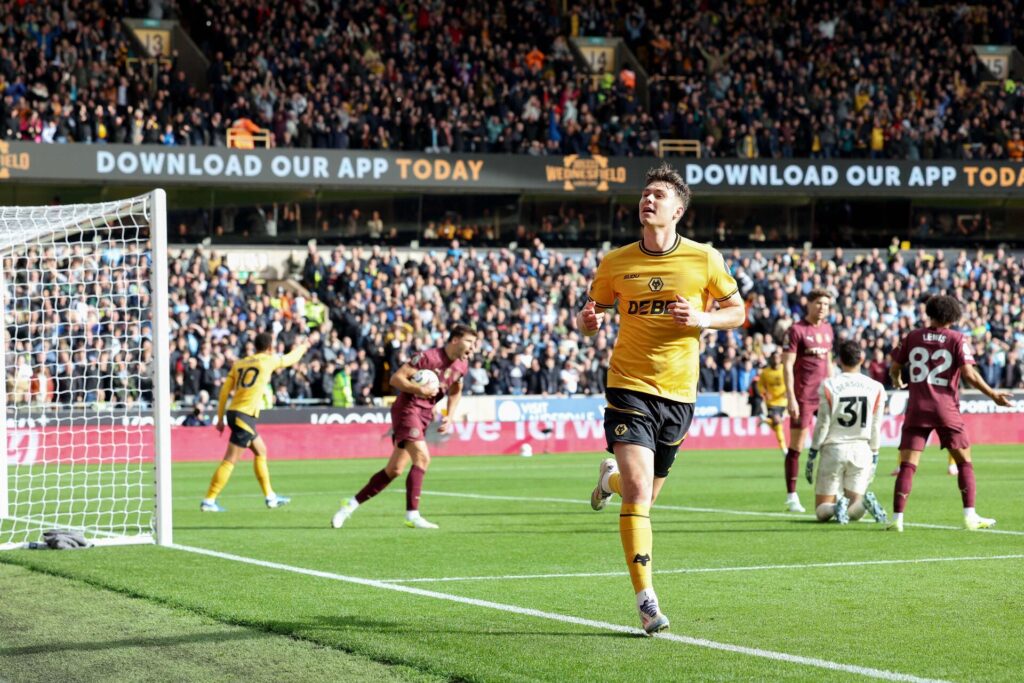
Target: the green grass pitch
(524, 582)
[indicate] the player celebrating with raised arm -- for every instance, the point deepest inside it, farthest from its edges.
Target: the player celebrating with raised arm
(246, 380)
(411, 415)
(663, 285)
(847, 432)
(935, 357)
(808, 361)
(771, 384)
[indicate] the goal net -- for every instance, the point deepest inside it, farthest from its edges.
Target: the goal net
(85, 394)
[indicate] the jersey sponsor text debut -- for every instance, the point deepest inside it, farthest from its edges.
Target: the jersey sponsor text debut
(652, 354)
(933, 359)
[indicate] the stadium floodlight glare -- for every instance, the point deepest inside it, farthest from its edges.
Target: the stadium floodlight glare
(86, 381)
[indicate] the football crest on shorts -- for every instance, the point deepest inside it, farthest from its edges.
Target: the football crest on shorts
(620, 430)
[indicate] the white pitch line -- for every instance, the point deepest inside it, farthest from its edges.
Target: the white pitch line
(683, 508)
(568, 619)
(708, 570)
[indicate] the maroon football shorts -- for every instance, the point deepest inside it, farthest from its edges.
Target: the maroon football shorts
(410, 424)
(808, 409)
(950, 436)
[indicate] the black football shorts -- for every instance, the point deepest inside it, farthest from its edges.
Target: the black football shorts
(647, 420)
(243, 428)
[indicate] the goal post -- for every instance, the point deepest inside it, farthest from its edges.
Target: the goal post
(85, 396)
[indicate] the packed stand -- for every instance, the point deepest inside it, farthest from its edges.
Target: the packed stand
(77, 325)
(747, 79)
(77, 332)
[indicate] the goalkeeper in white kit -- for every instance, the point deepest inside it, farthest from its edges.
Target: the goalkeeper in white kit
(847, 435)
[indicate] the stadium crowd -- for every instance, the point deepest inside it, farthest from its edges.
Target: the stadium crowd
(78, 335)
(745, 78)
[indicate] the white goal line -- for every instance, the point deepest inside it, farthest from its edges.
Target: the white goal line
(100, 537)
(868, 672)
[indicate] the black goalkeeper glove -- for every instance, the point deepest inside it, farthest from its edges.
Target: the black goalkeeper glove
(809, 469)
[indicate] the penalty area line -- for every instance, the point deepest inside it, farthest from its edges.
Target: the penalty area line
(683, 508)
(869, 672)
(707, 570)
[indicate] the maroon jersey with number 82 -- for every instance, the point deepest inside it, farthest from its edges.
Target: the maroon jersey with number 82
(933, 358)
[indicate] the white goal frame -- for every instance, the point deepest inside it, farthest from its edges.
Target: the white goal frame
(161, 524)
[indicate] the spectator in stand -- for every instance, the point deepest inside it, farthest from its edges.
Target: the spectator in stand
(196, 418)
(499, 77)
(878, 368)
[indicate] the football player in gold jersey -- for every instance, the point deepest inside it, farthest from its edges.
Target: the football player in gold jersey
(771, 384)
(247, 379)
(665, 287)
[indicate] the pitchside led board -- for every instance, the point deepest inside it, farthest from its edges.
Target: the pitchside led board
(572, 175)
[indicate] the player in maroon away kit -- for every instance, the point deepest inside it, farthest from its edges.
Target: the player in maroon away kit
(411, 415)
(808, 361)
(935, 356)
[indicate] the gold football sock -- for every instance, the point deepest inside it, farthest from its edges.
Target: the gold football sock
(615, 483)
(780, 435)
(259, 466)
(637, 539)
(220, 479)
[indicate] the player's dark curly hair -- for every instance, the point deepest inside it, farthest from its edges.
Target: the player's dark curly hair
(263, 342)
(850, 353)
(816, 294)
(943, 310)
(664, 173)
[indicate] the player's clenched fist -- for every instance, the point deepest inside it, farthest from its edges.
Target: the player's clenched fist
(590, 318)
(685, 316)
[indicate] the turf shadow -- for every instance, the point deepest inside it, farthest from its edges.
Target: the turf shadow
(121, 643)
